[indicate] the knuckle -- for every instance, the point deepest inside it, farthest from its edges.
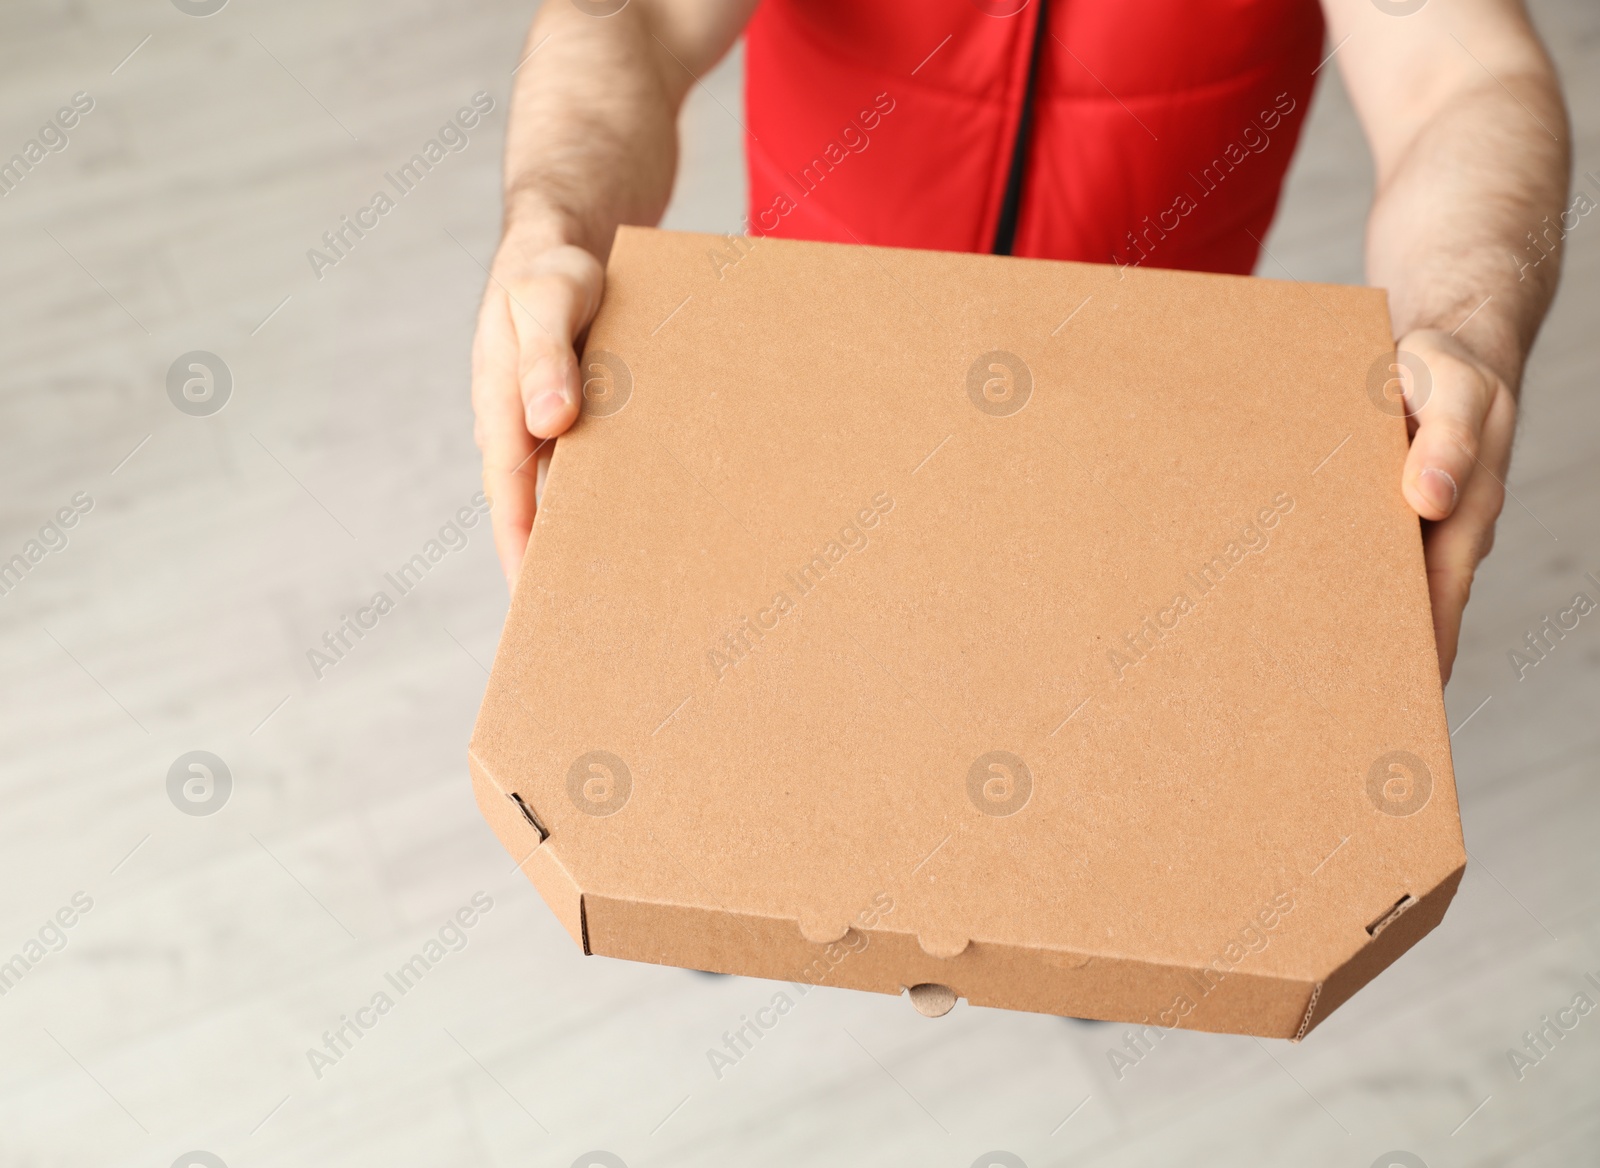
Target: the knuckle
(1497, 502)
(1454, 582)
(1455, 435)
(544, 354)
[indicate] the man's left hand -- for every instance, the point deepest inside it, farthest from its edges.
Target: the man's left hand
(1462, 424)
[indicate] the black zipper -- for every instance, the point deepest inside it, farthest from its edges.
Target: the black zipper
(1005, 233)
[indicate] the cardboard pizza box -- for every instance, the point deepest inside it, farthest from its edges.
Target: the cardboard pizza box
(1049, 635)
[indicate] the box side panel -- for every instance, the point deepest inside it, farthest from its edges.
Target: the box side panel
(882, 961)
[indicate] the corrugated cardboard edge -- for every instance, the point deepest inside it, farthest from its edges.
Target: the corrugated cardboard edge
(541, 865)
(882, 961)
(1131, 991)
(1399, 932)
(986, 974)
(887, 962)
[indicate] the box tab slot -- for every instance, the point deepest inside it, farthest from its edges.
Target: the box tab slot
(1384, 921)
(527, 813)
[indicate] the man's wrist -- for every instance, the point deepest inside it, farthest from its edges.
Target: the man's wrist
(1489, 338)
(538, 222)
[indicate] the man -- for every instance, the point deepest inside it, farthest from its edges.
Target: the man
(1130, 131)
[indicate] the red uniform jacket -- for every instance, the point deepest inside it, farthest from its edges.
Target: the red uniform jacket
(1132, 131)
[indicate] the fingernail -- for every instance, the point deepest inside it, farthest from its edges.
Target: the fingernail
(1438, 488)
(549, 406)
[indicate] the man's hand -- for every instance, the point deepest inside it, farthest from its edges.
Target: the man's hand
(592, 143)
(1462, 417)
(526, 385)
(1469, 136)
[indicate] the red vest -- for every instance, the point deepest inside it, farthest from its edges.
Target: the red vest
(1158, 131)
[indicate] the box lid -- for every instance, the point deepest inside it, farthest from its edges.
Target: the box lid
(1050, 635)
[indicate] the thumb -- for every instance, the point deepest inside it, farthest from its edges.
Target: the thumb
(1448, 395)
(551, 301)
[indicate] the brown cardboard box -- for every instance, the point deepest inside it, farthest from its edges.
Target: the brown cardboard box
(1044, 634)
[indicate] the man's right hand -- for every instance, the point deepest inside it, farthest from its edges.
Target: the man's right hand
(526, 385)
(591, 142)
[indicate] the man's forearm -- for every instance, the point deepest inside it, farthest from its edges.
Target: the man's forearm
(592, 139)
(1449, 231)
